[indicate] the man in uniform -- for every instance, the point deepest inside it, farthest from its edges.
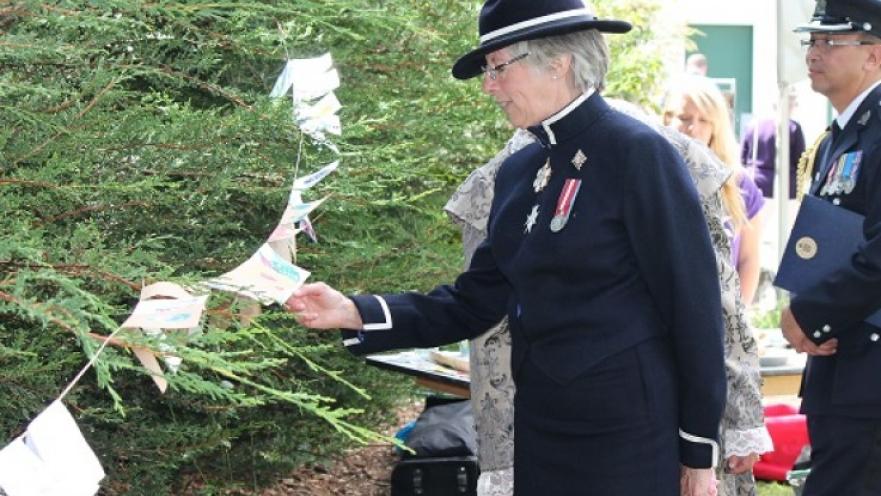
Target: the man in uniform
(841, 389)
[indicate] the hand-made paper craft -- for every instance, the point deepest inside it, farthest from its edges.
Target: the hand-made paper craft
(265, 277)
(51, 459)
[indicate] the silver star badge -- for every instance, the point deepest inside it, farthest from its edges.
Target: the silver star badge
(542, 177)
(865, 118)
(579, 159)
(531, 219)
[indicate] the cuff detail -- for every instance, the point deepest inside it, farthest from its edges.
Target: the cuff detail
(703, 440)
(747, 441)
(381, 326)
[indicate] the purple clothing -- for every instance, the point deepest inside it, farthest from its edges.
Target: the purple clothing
(762, 168)
(753, 202)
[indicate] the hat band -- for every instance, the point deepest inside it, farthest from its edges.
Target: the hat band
(535, 22)
(838, 27)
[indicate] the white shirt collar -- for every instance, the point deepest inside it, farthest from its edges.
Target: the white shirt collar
(546, 124)
(844, 117)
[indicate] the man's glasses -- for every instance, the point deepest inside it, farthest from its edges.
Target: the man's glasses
(493, 72)
(824, 44)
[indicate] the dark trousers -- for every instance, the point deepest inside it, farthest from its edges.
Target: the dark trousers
(845, 456)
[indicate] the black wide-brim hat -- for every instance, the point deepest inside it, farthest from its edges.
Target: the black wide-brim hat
(504, 22)
(845, 16)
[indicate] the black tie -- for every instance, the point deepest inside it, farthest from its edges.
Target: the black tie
(836, 131)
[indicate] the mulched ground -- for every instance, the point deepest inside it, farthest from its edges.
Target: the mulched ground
(364, 471)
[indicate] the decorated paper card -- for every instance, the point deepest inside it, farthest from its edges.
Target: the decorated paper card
(309, 78)
(318, 119)
(183, 313)
(51, 459)
(265, 277)
(164, 305)
(307, 182)
(295, 211)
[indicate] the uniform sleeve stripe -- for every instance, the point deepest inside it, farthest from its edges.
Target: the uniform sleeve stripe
(381, 326)
(702, 440)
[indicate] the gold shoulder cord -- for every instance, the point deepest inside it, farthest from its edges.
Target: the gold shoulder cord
(806, 165)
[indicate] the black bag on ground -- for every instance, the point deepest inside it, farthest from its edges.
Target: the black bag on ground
(445, 444)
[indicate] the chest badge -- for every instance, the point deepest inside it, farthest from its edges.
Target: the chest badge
(531, 219)
(564, 204)
(843, 174)
(542, 177)
(579, 159)
(864, 119)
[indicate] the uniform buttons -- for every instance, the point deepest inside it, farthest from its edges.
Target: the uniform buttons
(817, 177)
(818, 334)
(827, 328)
(836, 201)
(874, 337)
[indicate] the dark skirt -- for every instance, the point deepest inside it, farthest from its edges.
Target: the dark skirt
(611, 431)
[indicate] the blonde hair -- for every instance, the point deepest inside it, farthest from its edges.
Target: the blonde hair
(705, 95)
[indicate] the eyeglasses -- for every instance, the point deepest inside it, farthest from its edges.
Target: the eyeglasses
(493, 72)
(825, 44)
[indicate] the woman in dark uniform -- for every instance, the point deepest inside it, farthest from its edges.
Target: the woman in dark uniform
(598, 253)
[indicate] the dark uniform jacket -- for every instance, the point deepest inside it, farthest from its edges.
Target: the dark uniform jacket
(848, 382)
(633, 263)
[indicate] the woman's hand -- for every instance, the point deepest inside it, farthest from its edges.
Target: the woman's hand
(741, 464)
(697, 482)
(319, 306)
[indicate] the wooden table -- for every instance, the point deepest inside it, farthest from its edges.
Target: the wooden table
(781, 380)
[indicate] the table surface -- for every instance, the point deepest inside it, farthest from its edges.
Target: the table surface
(417, 363)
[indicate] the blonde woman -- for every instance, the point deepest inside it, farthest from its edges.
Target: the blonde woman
(696, 107)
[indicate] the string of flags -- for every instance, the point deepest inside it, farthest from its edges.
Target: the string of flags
(52, 458)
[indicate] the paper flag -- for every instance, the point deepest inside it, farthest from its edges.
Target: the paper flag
(51, 459)
(265, 277)
(155, 312)
(320, 118)
(309, 78)
(295, 211)
(306, 227)
(307, 182)
(183, 313)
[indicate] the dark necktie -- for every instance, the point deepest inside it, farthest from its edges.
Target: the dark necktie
(835, 131)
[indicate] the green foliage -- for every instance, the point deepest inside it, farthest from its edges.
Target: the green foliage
(138, 144)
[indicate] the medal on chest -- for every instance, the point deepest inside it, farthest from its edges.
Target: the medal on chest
(542, 177)
(842, 175)
(565, 202)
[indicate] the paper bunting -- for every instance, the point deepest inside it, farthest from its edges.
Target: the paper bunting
(306, 227)
(307, 182)
(164, 306)
(265, 277)
(308, 79)
(295, 211)
(51, 459)
(319, 119)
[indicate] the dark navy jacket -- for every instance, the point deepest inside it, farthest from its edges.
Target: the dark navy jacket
(633, 263)
(849, 382)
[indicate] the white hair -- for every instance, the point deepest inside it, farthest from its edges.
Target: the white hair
(590, 56)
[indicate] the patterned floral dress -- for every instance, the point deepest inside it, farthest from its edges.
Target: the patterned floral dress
(492, 387)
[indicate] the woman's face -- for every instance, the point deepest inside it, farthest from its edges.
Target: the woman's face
(523, 93)
(688, 119)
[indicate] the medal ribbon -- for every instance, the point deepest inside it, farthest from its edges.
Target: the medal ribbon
(567, 198)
